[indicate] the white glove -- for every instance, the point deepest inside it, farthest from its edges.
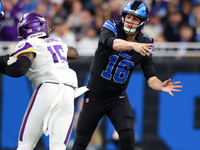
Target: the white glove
(11, 60)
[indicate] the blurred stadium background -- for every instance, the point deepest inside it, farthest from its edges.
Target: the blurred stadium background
(162, 122)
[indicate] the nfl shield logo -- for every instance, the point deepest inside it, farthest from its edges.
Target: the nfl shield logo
(87, 100)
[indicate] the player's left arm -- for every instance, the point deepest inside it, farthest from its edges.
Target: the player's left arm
(166, 86)
(72, 53)
(20, 66)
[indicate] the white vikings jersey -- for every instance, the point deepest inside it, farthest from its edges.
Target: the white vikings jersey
(50, 63)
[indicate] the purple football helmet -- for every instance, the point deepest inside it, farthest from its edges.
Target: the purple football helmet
(32, 25)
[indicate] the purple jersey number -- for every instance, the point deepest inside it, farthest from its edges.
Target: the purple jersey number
(56, 53)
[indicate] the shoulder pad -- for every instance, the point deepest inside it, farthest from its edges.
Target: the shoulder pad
(23, 47)
(147, 37)
(148, 40)
(111, 25)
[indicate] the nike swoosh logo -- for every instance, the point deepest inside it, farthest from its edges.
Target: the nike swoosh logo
(121, 96)
(21, 45)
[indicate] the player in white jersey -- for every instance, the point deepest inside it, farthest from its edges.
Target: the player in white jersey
(50, 63)
(43, 59)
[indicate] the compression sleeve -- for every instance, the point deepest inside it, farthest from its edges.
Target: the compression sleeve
(18, 68)
(148, 67)
(107, 37)
(3, 62)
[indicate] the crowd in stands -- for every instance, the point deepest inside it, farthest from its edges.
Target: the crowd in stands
(78, 22)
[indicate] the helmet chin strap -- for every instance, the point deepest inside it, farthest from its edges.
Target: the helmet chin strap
(130, 31)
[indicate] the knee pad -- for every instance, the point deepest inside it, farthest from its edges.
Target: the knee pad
(80, 143)
(25, 146)
(127, 138)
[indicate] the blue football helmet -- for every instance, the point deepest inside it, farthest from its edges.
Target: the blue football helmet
(32, 25)
(136, 8)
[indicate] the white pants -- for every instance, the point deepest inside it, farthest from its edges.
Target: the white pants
(60, 121)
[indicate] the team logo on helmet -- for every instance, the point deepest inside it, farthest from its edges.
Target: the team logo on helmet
(146, 11)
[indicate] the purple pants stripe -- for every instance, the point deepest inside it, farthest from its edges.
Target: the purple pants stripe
(69, 131)
(27, 114)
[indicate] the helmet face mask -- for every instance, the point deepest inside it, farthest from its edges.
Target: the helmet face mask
(136, 8)
(32, 25)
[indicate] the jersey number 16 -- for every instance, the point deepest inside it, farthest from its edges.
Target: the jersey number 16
(121, 72)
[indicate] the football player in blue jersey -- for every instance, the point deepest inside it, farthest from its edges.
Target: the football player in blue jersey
(121, 47)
